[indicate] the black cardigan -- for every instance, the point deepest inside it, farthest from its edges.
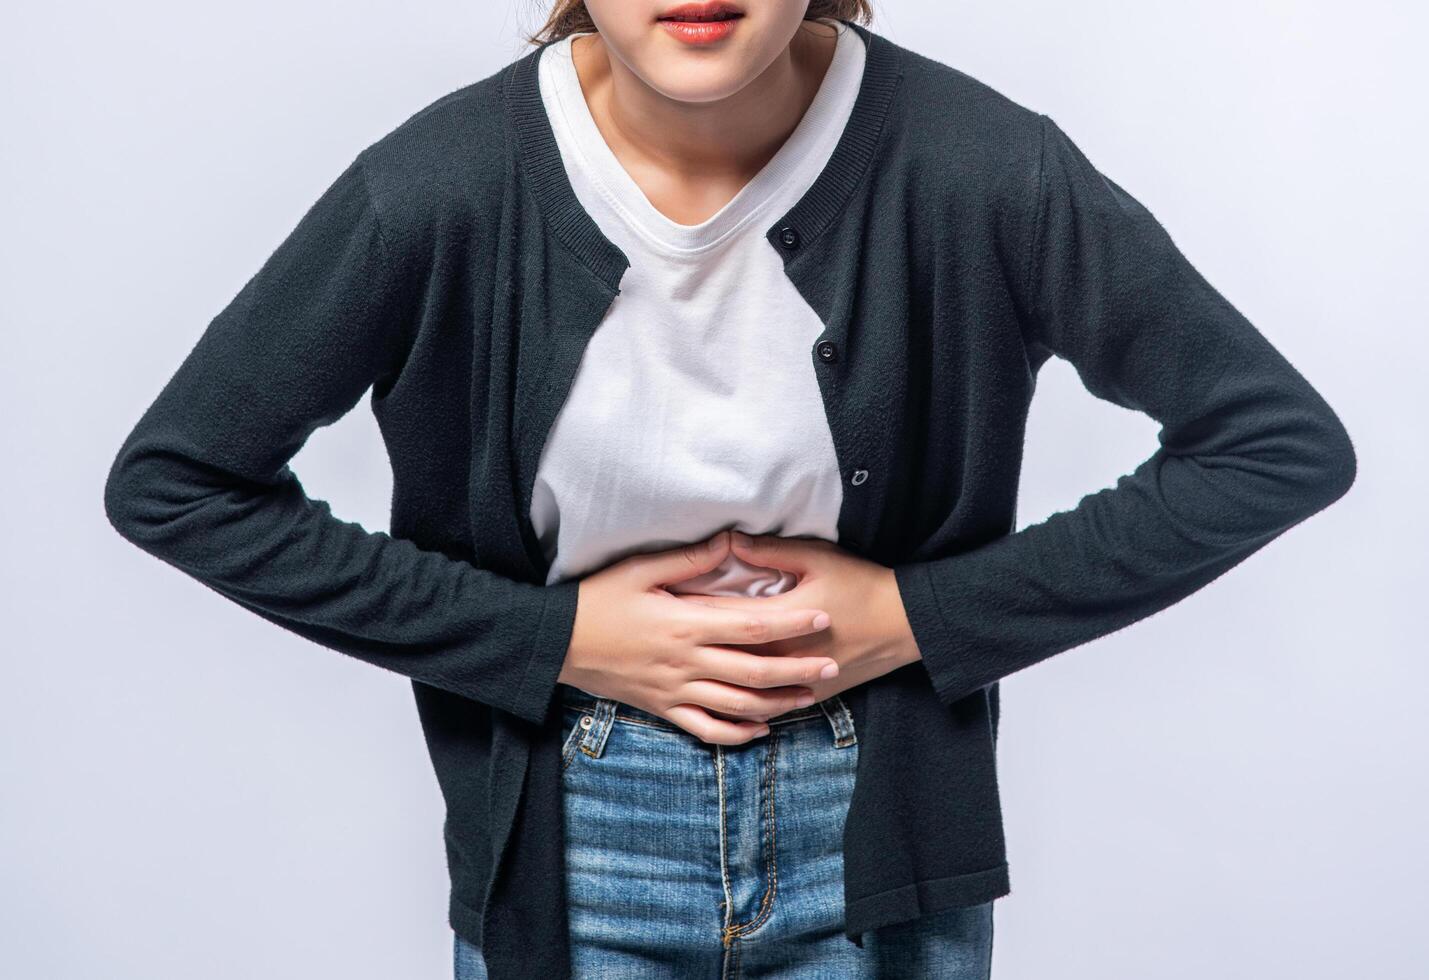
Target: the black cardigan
(953, 243)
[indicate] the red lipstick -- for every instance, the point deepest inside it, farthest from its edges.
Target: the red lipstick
(701, 23)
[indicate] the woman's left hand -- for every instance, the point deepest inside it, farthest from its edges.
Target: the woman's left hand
(869, 635)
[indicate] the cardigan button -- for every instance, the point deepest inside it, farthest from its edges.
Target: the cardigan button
(788, 237)
(858, 477)
(827, 350)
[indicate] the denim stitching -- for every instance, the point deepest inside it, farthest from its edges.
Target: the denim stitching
(593, 744)
(590, 741)
(568, 748)
(852, 737)
(731, 962)
(766, 905)
(727, 904)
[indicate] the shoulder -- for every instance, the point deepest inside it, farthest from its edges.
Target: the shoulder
(962, 134)
(446, 162)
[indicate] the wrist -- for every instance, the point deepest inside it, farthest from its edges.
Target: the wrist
(902, 644)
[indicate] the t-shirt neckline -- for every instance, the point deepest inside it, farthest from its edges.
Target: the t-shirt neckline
(833, 100)
(536, 163)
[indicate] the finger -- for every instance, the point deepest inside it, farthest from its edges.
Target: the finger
(678, 564)
(743, 603)
(773, 551)
(717, 731)
(746, 702)
(754, 624)
(759, 671)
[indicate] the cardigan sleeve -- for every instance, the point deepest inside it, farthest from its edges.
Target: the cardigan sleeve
(203, 483)
(1246, 448)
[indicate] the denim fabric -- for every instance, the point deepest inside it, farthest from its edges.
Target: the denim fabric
(686, 859)
(468, 962)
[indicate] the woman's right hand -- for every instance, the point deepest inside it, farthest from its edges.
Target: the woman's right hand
(635, 642)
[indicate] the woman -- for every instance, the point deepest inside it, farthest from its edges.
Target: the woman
(702, 340)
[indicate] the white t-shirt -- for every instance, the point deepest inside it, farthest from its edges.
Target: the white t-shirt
(695, 406)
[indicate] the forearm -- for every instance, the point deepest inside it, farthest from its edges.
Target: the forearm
(202, 481)
(1247, 447)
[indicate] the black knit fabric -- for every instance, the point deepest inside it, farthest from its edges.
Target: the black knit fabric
(954, 242)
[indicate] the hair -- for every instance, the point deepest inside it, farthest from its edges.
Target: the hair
(571, 17)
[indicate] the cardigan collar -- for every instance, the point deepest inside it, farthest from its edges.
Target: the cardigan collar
(540, 159)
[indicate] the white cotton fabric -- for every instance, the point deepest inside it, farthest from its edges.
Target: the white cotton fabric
(695, 406)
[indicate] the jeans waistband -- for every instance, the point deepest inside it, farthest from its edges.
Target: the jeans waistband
(605, 711)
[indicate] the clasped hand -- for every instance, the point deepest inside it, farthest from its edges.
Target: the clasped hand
(720, 666)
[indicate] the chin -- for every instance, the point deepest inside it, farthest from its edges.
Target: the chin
(686, 78)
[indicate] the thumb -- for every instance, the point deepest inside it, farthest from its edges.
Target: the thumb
(684, 562)
(771, 551)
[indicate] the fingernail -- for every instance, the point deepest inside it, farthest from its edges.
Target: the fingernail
(714, 542)
(830, 670)
(740, 538)
(821, 620)
(805, 700)
(763, 729)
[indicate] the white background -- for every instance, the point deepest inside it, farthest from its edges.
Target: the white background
(1234, 788)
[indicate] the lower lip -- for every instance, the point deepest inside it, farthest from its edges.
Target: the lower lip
(699, 31)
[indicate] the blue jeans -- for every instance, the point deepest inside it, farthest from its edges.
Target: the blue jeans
(686, 859)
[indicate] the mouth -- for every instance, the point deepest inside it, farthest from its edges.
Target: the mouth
(701, 13)
(699, 24)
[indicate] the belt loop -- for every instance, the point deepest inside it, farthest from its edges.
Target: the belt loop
(841, 720)
(602, 715)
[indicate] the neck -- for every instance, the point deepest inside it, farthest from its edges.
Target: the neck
(728, 138)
